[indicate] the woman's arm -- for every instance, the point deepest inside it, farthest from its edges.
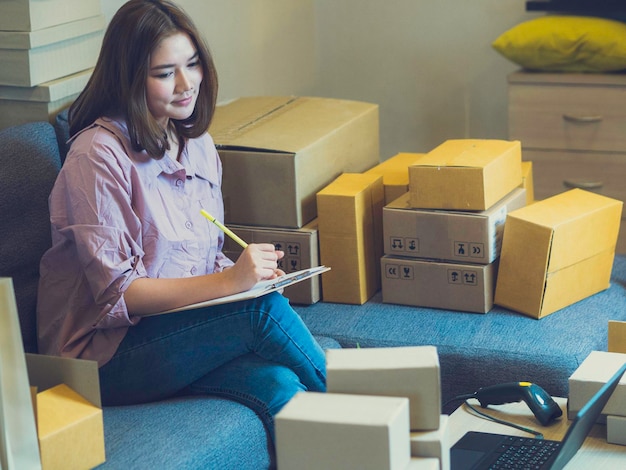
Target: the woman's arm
(149, 295)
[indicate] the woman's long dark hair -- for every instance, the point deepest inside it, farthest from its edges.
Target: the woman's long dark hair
(117, 87)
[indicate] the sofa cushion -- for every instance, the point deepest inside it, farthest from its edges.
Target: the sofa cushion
(29, 158)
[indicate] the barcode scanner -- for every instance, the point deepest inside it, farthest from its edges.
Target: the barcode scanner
(540, 403)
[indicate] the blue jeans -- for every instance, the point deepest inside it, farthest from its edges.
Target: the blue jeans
(258, 352)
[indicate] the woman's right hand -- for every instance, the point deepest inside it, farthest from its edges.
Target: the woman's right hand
(258, 262)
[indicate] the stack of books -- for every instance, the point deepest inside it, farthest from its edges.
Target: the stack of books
(48, 50)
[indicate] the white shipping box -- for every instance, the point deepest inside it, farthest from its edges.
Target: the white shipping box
(411, 372)
(463, 236)
(616, 430)
(301, 249)
(278, 152)
(19, 105)
(342, 431)
(32, 58)
(31, 15)
(445, 285)
(591, 375)
(433, 443)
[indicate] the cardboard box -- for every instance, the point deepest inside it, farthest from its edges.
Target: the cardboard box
(445, 285)
(466, 174)
(350, 232)
(19, 105)
(301, 249)
(411, 372)
(395, 173)
(466, 237)
(617, 336)
(32, 58)
(434, 444)
(69, 414)
(31, 15)
(557, 251)
(590, 376)
(616, 430)
(528, 183)
(342, 431)
(278, 152)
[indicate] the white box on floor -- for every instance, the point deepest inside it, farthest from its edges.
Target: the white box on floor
(434, 443)
(32, 58)
(411, 372)
(461, 236)
(423, 463)
(616, 430)
(591, 375)
(19, 105)
(341, 431)
(31, 15)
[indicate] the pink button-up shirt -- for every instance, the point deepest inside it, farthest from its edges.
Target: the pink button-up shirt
(118, 215)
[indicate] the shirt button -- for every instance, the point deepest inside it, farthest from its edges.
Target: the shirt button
(188, 224)
(194, 270)
(179, 182)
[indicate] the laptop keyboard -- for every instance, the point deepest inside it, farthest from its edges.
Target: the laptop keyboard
(524, 453)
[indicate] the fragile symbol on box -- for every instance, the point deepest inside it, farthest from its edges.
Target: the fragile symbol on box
(407, 272)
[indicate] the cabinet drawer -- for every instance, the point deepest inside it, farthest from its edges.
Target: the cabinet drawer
(570, 117)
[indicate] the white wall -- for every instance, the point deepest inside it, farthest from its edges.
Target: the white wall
(428, 63)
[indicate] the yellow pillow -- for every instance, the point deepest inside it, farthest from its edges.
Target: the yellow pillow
(558, 43)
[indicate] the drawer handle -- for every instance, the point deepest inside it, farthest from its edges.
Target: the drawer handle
(582, 119)
(588, 185)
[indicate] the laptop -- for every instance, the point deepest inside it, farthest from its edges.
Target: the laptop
(479, 450)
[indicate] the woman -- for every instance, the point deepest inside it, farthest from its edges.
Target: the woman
(129, 239)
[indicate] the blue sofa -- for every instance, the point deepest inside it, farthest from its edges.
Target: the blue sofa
(207, 432)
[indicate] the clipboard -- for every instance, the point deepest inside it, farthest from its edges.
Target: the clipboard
(260, 289)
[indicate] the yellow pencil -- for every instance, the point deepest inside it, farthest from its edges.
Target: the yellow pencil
(223, 228)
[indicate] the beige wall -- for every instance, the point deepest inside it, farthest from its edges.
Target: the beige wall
(427, 63)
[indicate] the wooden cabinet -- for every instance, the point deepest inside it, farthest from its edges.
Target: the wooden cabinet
(573, 128)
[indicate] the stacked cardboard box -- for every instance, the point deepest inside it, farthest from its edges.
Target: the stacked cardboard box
(590, 376)
(442, 240)
(47, 49)
(375, 398)
(277, 153)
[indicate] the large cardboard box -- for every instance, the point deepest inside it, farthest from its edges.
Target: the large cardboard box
(445, 285)
(528, 182)
(590, 376)
(434, 444)
(395, 173)
(68, 412)
(462, 236)
(616, 430)
(350, 232)
(557, 251)
(466, 174)
(301, 249)
(19, 105)
(32, 58)
(278, 152)
(617, 336)
(342, 431)
(411, 372)
(31, 15)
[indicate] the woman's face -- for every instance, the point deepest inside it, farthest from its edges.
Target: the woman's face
(174, 79)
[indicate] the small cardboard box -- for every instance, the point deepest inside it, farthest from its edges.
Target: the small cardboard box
(466, 174)
(411, 372)
(433, 443)
(557, 251)
(445, 285)
(301, 252)
(32, 58)
(69, 414)
(466, 237)
(591, 375)
(350, 232)
(528, 182)
(616, 430)
(342, 431)
(278, 152)
(395, 173)
(19, 105)
(617, 336)
(31, 15)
